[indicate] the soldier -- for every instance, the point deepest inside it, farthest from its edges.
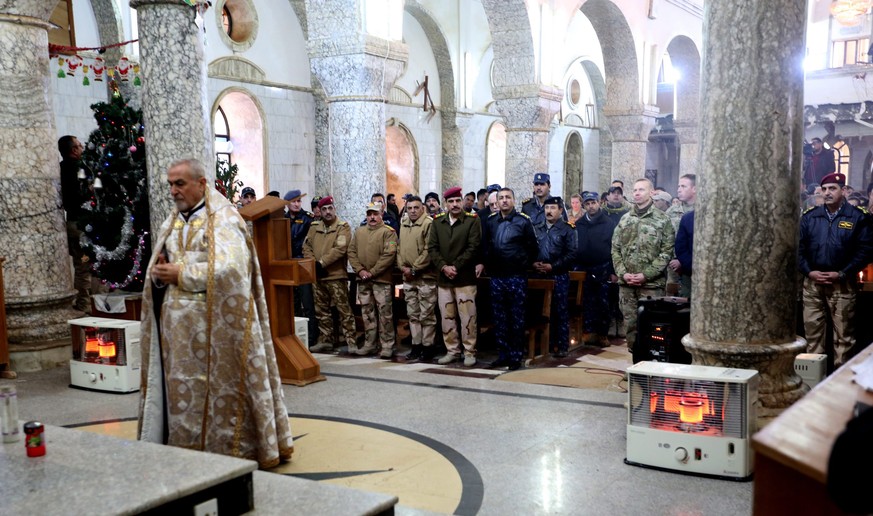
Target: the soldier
(388, 217)
(453, 246)
(594, 230)
(313, 205)
(510, 248)
(328, 242)
(835, 243)
(419, 279)
(557, 253)
(662, 201)
(641, 247)
(686, 192)
(371, 255)
(616, 205)
(304, 299)
(534, 207)
(432, 203)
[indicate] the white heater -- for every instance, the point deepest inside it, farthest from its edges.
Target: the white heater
(811, 367)
(692, 419)
(106, 354)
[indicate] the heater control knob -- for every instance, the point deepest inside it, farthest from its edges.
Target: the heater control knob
(681, 454)
(93, 378)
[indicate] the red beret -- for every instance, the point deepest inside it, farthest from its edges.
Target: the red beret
(325, 201)
(834, 177)
(454, 191)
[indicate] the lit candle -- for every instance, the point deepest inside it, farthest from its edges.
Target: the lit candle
(861, 277)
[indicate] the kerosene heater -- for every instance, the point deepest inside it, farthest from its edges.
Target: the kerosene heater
(106, 354)
(692, 419)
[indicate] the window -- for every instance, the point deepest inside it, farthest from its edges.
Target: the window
(849, 52)
(227, 21)
(223, 146)
(841, 158)
(495, 164)
(63, 33)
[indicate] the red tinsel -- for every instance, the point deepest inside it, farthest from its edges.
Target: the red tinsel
(58, 49)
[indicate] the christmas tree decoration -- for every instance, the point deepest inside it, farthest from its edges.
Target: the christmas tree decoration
(61, 62)
(99, 66)
(73, 64)
(123, 68)
(115, 221)
(226, 180)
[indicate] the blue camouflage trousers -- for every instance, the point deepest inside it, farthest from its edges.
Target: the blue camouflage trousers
(508, 295)
(559, 319)
(595, 300)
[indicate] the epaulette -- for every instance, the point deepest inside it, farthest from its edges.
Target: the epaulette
(493, 214)
(473, 214)
(571, 224)
(389, 227)
(311, 215)
(317, 222)
(440, 214)
(809, 210)
(342, 223)
(527, 200)
(863, 210)
(523, 214)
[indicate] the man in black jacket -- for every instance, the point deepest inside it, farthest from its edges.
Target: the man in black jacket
(835, 243)
(304, 296)
(75, 180)
(594, 232)
(557, 253)
(510, 247)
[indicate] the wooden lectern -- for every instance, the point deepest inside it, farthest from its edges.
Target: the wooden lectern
(5, 371)
(281, 273)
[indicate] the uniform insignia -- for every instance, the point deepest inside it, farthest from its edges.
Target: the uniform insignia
(342, 223)
(438, 215)
(523, 214)
(809, 209)
(309, 213)
(863, 209)
(474, 214)
(492, 215)
(527, 200)
(571, 224)
(845, 224)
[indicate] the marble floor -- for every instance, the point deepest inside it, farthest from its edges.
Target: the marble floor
(450, 440)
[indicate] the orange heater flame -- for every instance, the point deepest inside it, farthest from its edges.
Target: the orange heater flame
(91, 346)
(671, 400)
(107, 349)
(691, 410)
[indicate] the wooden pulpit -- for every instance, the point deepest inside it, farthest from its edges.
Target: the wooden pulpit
(5, 371)
(271, 232)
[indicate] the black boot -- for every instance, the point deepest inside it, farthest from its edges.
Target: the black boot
(428, 353)
(415, 353)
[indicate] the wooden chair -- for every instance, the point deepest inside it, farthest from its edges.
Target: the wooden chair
(540, 325)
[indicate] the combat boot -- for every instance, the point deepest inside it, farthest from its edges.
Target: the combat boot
(414, 354)
(323, 347)
(428, 353)
(366, 350)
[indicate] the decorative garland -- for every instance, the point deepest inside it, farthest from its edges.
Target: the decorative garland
(100, 252)
(124, 69)
(57, 49)
(136, 270)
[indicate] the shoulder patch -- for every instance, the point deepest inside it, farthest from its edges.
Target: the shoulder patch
(440, 214)
(523, 214)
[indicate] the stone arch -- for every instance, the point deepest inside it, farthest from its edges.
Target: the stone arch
(514, 56)
(248, 133)
(601, 123)
(573, 154)
(619, 55)
(109, 27)
(441, 54)
(495, 153)
(686, 60)
(401, 160)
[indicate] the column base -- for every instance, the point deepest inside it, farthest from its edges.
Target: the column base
(40, 319)
(780, 387)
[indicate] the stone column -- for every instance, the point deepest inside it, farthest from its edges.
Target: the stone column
(528, 118)
(174, 101)
(322, 149)
(38, 279)
(454, 124)
(356, 80)
(689, 135)
(745, 248)
(630, 137)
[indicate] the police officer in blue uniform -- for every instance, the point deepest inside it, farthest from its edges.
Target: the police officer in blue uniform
(557, 251)
(535, 206)
(835, 244)
(304, 299)
(510, 248)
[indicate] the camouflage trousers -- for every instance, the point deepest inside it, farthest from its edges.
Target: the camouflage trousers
(508, 295)
(836, 302)
(559, 320)
(458, 303)
(421, 299)
(372, 297)
(334, 293)
(628, 302)
(595, 300)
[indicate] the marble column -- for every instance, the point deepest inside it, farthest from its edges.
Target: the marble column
(322, 150)
(38, 276)
(356, 81)
(528, 118)
(689, 135)
(174, 101)
(630, 137)
(454, 124)
(745, 286)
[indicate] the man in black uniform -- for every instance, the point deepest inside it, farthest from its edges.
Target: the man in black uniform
(510, 247)
(594, 230)
(835, 243)
(535, 206)
(304, 299)
(557, 252)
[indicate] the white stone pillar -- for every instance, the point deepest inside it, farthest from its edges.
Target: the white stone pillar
(689, 135)
(528, 118)
(174, 100)
(745, 281)
(630, 138)
(38, 278)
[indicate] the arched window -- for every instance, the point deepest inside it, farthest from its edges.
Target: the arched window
(227, 21)
(223, 147)
(495, 159)
(841, 158)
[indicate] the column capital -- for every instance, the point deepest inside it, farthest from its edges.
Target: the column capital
(531, 111)
(365, 69)
(630, 127)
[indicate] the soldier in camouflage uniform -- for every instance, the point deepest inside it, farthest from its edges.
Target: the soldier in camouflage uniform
(687, 194)
(453, 246)
(642, 244)
(419, 279)
(371, 255)
(328, 242)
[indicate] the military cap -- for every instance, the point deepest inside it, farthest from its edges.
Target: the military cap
(454, 191)
(374, 206)
(613, 189)
(663, 196)
(541, 177)
(314, 202)
(432, 195)
(834, 177)
(493, 188)
(293, 195)
(590, 196)
(247, 191)
(326, 200)
(554, 200)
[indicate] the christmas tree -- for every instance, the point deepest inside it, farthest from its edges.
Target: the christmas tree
(115, 222)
